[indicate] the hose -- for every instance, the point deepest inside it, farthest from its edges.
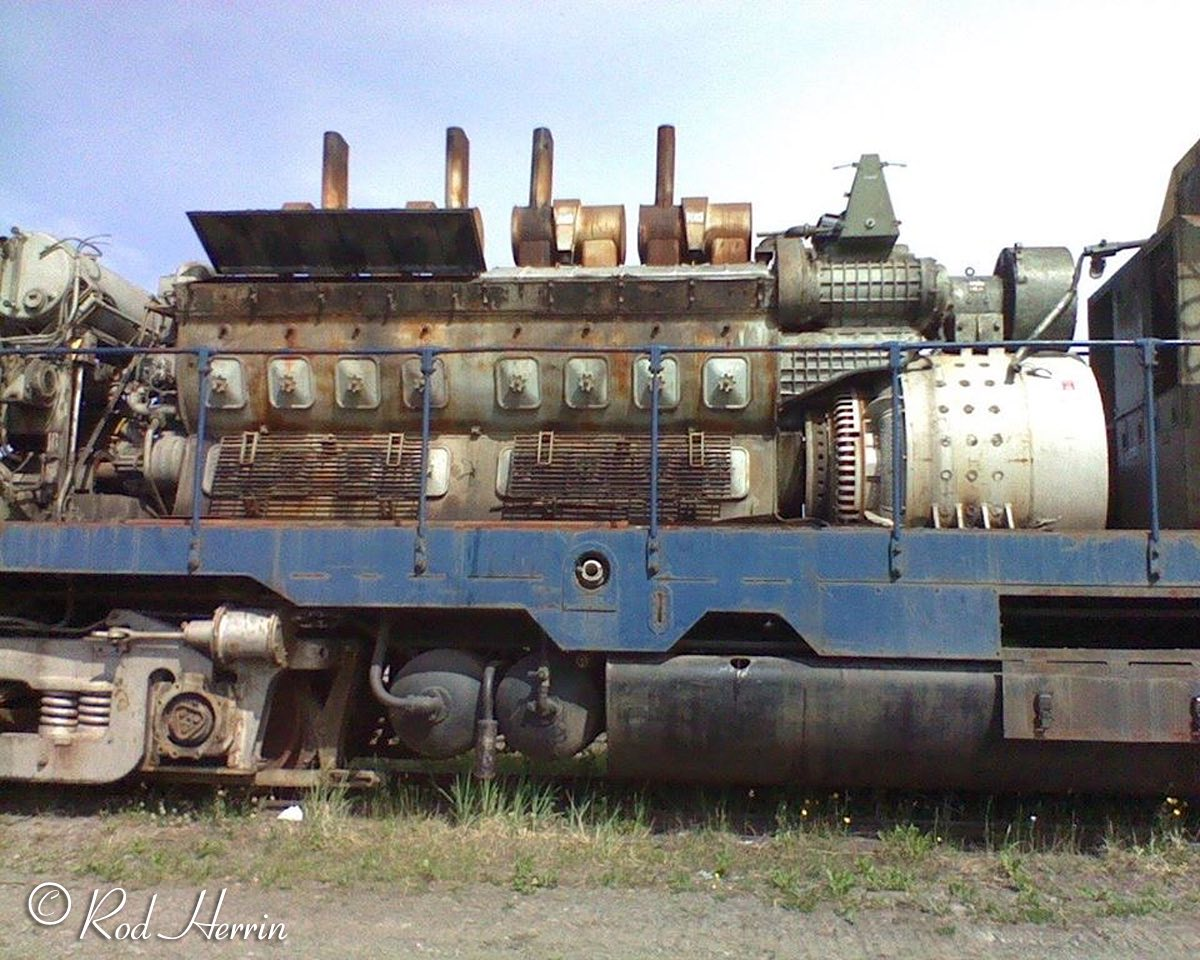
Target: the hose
(417, 704)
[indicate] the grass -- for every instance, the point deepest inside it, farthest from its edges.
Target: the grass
(952, 858)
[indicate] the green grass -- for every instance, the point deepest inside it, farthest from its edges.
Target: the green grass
(1010, 861)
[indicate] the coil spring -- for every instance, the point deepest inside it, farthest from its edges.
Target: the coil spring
(60, 710)
(95, 708)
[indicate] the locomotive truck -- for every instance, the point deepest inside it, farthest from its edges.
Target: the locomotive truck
(795, 508)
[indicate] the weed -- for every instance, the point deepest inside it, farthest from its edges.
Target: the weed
(964, 892)
(1036, 860)
(891, 878)
(526, 878)
(906, 842)
(793, 891)
(722, 863)
(840, 881)
(517, 800)
(1140, 904)
(327, 809)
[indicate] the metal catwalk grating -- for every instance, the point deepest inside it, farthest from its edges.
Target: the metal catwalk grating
(576, 477)
(317, 477)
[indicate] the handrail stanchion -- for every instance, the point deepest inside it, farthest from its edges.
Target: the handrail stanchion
(1149, 348)
(652, 548)
(898, 466)
(420, 551)
(204, 367)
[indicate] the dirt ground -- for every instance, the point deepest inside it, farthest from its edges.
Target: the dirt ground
(342, 917)
(505, 876)
(484, 921)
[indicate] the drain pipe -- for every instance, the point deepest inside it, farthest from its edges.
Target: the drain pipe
(427, 704)
(486, 729)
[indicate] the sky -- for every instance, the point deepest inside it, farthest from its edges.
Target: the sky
(1045, 123)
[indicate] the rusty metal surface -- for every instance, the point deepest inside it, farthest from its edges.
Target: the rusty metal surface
(458, 169)
(694, 231)
(590, 236)
(664, 180)
(1183, 188)
(317, 477)
(75, 743)
(660, 236)
(660, 227)
(532, 228)
(549, 232)
(335, 172)
(746, 719)
(518, 312)
(1155, 294)
(717, 232)
(1114, 696)
(606, 478)
(541, 168)
(342, 242)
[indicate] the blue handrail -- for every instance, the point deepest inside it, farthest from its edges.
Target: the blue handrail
(897, 354)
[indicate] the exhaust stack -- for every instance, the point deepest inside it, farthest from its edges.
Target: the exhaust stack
(335, 172)
(458, 169)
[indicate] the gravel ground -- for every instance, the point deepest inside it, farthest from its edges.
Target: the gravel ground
(485, 921)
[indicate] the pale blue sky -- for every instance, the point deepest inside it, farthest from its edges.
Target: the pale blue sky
(1039, 122)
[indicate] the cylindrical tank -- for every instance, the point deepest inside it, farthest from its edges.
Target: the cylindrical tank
(981, 448)
(777, 720)
(1028, 453)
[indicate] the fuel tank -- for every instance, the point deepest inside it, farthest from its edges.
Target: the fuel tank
(776, 720)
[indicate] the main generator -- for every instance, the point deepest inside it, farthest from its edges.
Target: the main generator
(796, 508)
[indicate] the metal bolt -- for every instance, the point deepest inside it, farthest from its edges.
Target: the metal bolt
(356, 384)
(218, 384)
(591, 572)
(516, 383)
(727, 382)
(288, 383)
(586, 382)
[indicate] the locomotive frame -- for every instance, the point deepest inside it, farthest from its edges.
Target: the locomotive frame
(737, 650)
